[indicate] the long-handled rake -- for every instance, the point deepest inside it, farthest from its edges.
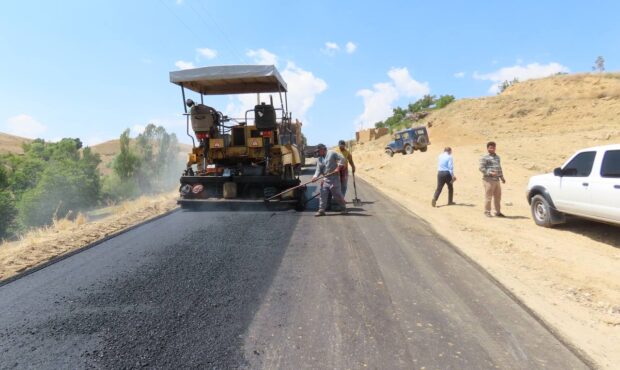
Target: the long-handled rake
(356, 201)
(300, 185)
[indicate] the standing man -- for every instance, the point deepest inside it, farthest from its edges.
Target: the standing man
(492, 173)
(445, 176)
(329, 163)
(344, 174)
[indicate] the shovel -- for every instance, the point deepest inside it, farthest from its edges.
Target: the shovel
(356, 201)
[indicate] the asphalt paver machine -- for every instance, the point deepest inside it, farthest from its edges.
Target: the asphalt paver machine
(242, 159)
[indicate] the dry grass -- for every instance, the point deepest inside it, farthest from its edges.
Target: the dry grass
(64, 235)
(12, 144)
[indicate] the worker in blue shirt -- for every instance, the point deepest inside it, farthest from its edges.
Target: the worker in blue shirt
(445, 176)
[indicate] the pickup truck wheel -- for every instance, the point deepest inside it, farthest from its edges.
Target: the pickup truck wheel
(424, 149)
(408, 149)
(389, 152)
(541, 211)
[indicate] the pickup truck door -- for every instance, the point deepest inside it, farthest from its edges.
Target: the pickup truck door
(605, 187)
(574, 193)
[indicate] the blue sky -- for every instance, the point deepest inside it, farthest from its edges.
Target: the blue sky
(90, 69)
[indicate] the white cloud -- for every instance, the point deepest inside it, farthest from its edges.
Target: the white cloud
(350, 47)
(406, 85)
(207, 53)
(303, 88)
(331, 48)
(184, 65)
(262, 56)
(459, 74)
(179, 2)
(238, 104)
(522, 73)
(379, 101)
(25, 126)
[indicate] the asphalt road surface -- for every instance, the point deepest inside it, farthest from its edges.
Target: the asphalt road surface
(272, 289)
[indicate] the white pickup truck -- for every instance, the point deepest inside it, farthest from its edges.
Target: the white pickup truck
(587, 185)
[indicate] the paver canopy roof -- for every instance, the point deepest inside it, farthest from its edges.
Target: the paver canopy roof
(235, 79)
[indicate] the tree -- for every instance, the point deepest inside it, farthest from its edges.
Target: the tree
(425, 102)
(599, 64)
(8, 211)
(64, 188)
(126, 163)
(506, 84)
(66, 180)
(158, 153)
(443, 101)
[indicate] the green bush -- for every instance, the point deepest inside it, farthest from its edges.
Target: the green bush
(8, 212)
(401, 118)
(115, 189)
(65, 187)
(443, 101)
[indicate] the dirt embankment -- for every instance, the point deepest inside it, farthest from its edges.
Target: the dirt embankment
(569, 275)
(41, 245)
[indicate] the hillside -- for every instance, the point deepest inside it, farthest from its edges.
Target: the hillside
(569, 275)
(109, 149)
(11, 144)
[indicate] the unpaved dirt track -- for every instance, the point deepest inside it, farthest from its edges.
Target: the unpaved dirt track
(272, 289)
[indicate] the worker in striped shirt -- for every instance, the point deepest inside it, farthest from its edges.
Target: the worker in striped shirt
(492, 174)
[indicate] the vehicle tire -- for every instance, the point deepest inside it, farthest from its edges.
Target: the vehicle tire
(541, 211)
(389, 152)
(408, 149)
(422, 141)
(423, 149)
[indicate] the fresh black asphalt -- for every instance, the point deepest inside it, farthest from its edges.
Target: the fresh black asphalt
(272, 289)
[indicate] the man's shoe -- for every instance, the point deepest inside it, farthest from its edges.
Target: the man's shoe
(451, 203)
(434, 202)
(499, 214)
(488, 214)
(319, 214)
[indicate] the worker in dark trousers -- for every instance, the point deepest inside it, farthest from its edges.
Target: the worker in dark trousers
(445, 176)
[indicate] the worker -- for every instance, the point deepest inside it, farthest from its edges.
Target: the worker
(329, 164)
(492, 174)
(344, 174)
(445, 176)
